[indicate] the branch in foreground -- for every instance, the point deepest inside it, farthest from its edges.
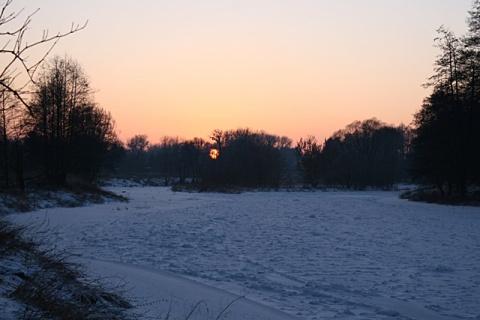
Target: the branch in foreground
(14, 51)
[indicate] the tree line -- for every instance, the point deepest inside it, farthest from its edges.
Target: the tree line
(243, 158)
(367, 154)
(441, 147)
(52, 130)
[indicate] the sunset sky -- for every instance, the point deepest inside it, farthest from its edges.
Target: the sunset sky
(288, 67)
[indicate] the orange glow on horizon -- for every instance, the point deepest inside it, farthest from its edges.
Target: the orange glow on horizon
(185, 68)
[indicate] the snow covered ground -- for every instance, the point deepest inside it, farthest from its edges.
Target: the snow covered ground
(305, 255)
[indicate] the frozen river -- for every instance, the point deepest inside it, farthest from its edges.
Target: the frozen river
(313, 255)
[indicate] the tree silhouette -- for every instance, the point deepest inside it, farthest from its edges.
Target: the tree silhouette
(309, 161)
(136, 156)
(247, 159)
(68, 132)
(11, 144)
(20, 61)
(446, 147)
(365, 154)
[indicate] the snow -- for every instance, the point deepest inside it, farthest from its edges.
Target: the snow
(175, 294)
(304, 255)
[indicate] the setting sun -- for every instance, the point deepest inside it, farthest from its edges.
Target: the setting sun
(214, 154)
(289, 68)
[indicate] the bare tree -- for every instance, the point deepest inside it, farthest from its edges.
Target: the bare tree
(137, 148)
(169, 158)
(138, 144)
(18, 68)
(309, 161)
(20, 60)
(68, 130)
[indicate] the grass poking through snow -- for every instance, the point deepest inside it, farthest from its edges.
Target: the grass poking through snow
(47, 285)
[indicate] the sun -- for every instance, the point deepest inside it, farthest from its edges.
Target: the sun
(214, 154)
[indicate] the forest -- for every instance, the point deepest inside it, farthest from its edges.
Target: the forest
(54, 134)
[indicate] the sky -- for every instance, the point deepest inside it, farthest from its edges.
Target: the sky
(288, 67)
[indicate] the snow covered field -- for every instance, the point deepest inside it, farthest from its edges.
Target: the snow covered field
(305, 255)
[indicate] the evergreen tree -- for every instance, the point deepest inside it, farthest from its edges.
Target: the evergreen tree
(446, 147)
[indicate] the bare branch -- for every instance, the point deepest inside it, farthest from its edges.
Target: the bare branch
(15, 51)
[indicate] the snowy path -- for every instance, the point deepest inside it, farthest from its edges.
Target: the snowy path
(314, 255)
